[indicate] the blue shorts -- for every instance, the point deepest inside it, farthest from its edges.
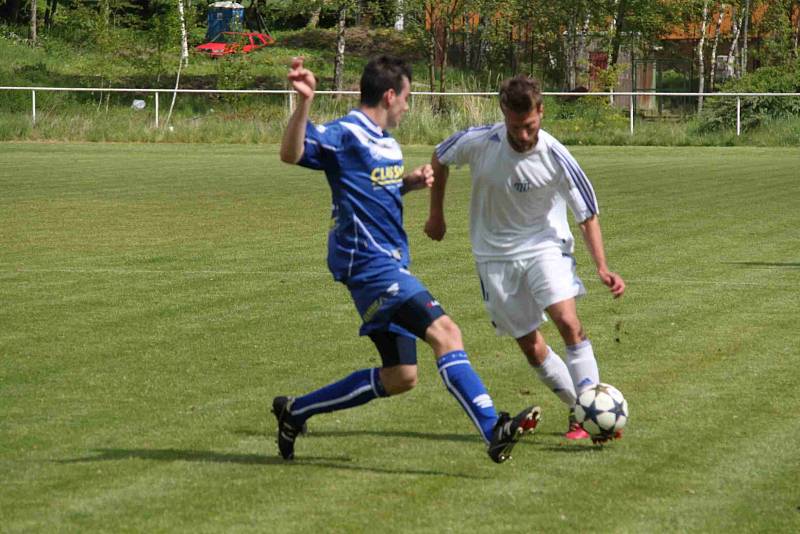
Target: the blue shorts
(379, 296)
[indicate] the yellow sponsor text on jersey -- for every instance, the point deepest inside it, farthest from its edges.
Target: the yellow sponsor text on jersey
(383, 176)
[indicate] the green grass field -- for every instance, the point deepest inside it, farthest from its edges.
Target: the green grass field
(153, 300)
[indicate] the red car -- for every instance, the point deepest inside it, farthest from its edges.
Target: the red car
(235, 43)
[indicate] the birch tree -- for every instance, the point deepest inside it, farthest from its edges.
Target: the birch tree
(736, 23)
(700, 56)
(720, 16)
(745, 31)
(184, 40)
(338, 61)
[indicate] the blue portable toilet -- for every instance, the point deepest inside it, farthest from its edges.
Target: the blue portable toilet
(224, 17)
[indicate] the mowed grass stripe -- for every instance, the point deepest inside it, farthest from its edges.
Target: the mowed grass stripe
(156, 297)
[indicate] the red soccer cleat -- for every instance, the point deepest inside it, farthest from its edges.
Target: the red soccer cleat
(576, 432)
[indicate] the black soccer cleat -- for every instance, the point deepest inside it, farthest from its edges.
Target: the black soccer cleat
(507, 432)
(605, 437)
(287, 431)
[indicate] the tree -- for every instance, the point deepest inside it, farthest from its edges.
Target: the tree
(10, 11)
(338, 62)
(746, 18)
(184, 43)
(700, 55)
(431, 21)
(50, 13)
(33, 21)
(796, 15)
(736, 23)
(720, 17)
(617, 25)
(639, 23)
(779, 46)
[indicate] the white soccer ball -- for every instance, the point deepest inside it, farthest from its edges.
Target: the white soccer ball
(602, 410)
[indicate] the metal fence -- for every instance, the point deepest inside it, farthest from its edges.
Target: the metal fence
(613, 96)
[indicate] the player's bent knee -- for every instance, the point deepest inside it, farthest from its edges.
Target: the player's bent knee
(444, 335)
(571, 329)
(399, 379)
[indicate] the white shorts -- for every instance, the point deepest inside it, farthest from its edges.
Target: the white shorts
(517, 292)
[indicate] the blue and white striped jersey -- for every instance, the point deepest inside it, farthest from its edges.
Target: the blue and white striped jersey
(518, 205)
(364, 167)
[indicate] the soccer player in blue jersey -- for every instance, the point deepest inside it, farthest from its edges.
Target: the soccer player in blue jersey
(368, 252)
(523, 180)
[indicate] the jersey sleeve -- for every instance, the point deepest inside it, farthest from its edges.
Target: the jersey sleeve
(576, 187)
(320, 148)
(455, 150)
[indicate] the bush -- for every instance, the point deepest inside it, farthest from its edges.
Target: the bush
(585, 112)
(720, 113)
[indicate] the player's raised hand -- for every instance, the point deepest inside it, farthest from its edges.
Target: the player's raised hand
(614, 282)
(302, 79)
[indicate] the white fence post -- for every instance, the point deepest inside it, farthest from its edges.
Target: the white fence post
(631, 113)
(33, 107)
(156, 110)
(738, 116)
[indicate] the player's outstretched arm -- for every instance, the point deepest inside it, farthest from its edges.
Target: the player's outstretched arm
(593, 237)
(436, 227)
(420, 178)
(304, 84)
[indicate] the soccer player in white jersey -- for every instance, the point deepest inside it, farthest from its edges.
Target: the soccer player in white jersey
(523, 179)
(368, 253)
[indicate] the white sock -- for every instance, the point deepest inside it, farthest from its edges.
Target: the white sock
(554, 374)
(582, 365)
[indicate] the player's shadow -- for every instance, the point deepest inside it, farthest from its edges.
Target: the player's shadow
(573, 448)
(472, 438)
(189, 455)
(787, 265)
(564, 446)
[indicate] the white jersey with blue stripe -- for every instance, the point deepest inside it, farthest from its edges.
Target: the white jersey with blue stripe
(364, 167)
(518, 206)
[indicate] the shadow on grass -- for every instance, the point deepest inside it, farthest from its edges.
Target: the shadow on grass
(583, 446)
(787, 265)
(574, 448)
(188, 455)
(472, 438)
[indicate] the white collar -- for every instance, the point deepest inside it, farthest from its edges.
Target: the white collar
(366, 121)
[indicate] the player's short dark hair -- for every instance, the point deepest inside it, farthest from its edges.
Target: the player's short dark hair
(520, 94)
(381, 74)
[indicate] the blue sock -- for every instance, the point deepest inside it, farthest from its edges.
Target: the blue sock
(465, 385)
(354, 390)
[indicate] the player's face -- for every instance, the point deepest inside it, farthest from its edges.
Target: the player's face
(397, 104)
(523, 128)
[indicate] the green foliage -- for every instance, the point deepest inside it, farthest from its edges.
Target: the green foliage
(233, 71)
(719, 113)
(588, 112)
(163, 37)
(777, 48)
